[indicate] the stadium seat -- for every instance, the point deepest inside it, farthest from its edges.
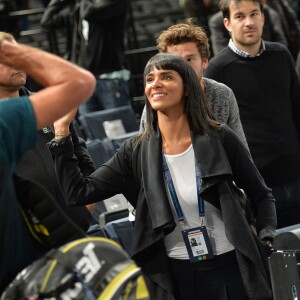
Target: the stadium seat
(121, 231)
(110, 123)
(98, 151)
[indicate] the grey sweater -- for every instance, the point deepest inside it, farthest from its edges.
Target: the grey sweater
(223, 103)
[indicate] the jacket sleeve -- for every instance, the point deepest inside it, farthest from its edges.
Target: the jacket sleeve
(100, 10)
(234, 121)
(277, 33)
(218, 33)
(295, 95)
(247, 177)
(85, 162)
(298, 65)
(112, 178)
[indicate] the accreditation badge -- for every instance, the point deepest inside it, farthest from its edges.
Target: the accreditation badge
(198, 244)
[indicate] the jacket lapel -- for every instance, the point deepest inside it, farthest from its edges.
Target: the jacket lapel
(210, 156)
(154, 187)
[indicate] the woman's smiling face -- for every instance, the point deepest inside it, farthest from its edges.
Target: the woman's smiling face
(164, 89)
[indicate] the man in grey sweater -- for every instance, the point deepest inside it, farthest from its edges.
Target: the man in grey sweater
(191, 42)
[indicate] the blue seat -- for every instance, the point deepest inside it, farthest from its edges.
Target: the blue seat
(96, 230)
(117, 141)
(104, 210)
(98, 151)
(110, 216)
(97, 123)
(121, 231)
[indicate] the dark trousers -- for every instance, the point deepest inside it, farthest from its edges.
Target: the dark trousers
(217, 279)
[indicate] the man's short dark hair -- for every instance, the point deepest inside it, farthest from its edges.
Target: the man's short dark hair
(224, 6)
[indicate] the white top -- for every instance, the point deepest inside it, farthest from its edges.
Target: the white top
(182, 170)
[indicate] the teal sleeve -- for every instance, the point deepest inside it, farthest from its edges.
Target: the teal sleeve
(18, 130)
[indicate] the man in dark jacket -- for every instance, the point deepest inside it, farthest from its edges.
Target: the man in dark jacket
(96, 34)
(19, 120)
(37, 164)
(37, 167)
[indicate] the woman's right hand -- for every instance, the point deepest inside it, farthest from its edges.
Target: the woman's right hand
(62, 125)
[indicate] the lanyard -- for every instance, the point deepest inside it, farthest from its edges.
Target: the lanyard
(173, 194)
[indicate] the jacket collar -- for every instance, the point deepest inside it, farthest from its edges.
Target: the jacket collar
(153, 180)
(210, 158)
